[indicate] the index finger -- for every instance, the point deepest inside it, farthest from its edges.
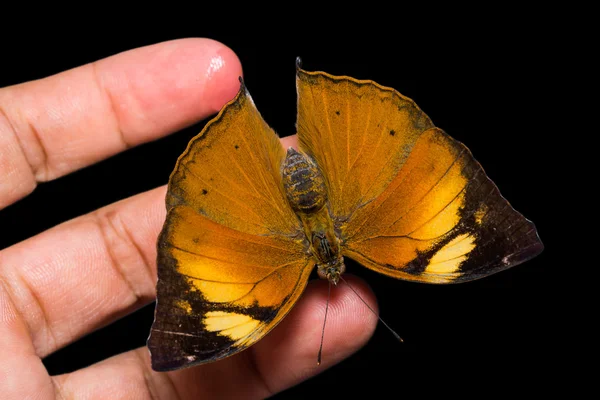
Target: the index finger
(62, 123)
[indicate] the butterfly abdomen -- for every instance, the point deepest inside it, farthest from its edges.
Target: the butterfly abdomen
(303, 183)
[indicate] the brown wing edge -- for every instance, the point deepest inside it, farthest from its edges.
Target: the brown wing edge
(505, 228)
(503, 225)
(189, 344)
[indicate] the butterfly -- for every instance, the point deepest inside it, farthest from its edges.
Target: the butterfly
(373, 180)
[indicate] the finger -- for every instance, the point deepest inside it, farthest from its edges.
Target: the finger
(59, 124)
(290, 141)
(282, 359)
(83, 274)
(87, 272)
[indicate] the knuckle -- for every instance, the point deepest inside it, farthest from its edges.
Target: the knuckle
(125, 254)
(18, 173)
(27, 307)
(27, 139)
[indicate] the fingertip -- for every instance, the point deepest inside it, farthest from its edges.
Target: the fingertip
(221, 74)
(204, 65)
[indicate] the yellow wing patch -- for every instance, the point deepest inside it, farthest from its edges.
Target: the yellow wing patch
(233, 325)
(448, 258)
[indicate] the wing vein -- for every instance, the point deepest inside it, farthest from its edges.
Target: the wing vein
(250, 183)
(176, 333)
(357, 229)
(347, 134)
(371, 158)
(450, 202)
(276, 269)
(429, 191)
(266, 186)
(295, 286)
(424, 223)
(332, 147)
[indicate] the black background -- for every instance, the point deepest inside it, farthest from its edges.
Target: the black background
(483, 82)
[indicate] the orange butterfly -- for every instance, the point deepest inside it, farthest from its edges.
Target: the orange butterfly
(374, 181)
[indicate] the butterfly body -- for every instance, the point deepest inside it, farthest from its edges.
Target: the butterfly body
(306, 192)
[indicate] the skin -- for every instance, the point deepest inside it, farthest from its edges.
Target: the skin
(88, 272)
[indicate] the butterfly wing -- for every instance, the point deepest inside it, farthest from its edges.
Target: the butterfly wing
(231, 258)
(409, 201)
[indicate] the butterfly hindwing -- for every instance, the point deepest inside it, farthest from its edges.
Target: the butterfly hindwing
(231, 258)
(441, 220)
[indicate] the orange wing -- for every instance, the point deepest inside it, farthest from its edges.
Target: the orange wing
(232, 259)
(409, 201)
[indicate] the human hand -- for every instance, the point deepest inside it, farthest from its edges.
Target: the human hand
(85, 273)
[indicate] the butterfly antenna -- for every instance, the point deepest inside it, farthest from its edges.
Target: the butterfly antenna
(324, 320)
(373, 311)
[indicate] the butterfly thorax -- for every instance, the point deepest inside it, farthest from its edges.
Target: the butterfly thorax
(306, 192)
